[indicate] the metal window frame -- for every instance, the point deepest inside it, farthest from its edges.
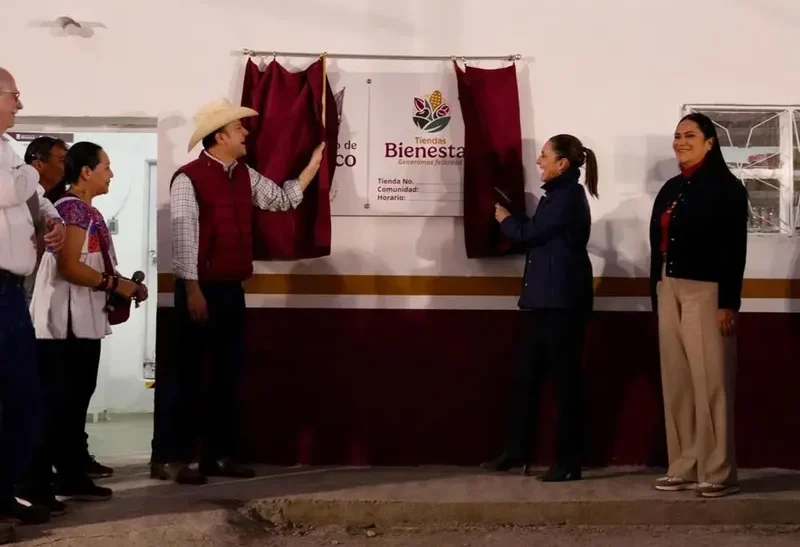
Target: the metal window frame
(788, 209)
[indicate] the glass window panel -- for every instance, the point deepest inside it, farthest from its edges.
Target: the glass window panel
(764, 205)
(749, 139)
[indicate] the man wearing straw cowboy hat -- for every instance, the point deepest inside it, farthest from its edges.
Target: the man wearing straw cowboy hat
(211, 209)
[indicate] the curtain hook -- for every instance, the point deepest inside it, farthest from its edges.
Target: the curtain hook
(274, 55)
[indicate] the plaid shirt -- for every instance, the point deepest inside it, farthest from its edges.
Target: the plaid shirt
(185, 213)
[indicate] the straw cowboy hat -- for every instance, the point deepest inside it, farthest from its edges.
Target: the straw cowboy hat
(214, 115)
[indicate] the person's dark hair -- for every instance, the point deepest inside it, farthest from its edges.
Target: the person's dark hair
(571, 149)
(56, 192)
(41, 147)
(80, 155)
(211, 139)
(714, 156)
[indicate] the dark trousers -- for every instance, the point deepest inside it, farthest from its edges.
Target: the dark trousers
(178, 391)
(551, 345)
(68, 373)
(20, 401)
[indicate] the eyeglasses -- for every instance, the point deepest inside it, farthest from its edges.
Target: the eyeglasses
(15, 94)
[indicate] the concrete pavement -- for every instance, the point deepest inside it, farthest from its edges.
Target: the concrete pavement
(282, 505)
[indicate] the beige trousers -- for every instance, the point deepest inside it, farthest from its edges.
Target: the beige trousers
(698, 367)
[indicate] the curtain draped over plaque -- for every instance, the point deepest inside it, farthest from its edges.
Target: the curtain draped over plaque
(288, 128)
(489, 101)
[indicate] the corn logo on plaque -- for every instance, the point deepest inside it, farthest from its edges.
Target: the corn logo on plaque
(431, 112)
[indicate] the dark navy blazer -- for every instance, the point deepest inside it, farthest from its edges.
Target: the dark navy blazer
(558, 272)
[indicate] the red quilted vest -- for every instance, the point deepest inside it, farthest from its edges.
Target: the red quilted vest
(226, 216)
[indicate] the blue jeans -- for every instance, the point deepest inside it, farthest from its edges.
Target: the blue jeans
(20, 394)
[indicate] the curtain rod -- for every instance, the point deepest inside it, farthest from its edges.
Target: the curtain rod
(515, 57)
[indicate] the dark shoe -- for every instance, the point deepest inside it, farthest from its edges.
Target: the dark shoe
(96, 470)
(83, 489)
(227, 468)
(55, 507)
(177, 472)
(45, 499)
(560, 474)
(26, 514)
(504, 463)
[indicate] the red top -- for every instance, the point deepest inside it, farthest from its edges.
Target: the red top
(666, 216)
(226, 211)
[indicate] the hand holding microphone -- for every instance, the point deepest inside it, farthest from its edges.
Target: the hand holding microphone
(133, 288)
(140, 295)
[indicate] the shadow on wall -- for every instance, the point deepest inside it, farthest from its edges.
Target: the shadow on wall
(621, 239)
(164, 240)
(166, 167)
(530, 148)
(236, 85)
(533, 180)
(299, 276)
(344, 188)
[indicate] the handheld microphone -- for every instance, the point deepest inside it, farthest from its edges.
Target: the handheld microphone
(137, 277)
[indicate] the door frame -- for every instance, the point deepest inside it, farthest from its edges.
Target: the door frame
(151, 259)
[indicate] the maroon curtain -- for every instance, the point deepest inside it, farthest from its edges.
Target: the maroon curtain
(489, 102)
(282, 138)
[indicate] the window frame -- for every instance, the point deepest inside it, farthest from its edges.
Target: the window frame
(788, 139)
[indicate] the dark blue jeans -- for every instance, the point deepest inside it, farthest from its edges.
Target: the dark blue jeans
(20, 394)
(184, 412)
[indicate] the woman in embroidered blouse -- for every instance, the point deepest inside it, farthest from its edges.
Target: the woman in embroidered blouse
(68, 310)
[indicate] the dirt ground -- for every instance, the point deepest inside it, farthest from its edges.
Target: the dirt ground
(558, 537)
(224, 528)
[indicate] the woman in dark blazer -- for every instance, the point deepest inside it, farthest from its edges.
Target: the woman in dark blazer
(698, 240)
(557, 295)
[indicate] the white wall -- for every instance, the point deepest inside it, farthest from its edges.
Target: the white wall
(614, 73)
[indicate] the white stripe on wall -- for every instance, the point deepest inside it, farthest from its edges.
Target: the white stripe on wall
(766, 305)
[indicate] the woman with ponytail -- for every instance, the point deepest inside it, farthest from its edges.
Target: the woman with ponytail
(557, 296)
